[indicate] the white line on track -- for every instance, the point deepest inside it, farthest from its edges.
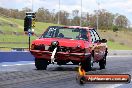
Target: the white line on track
(114, 86)
(16, 65)
(120, 56)
(117, 85)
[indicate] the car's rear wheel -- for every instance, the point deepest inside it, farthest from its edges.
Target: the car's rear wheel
(86, 64)
(102, 63)
(41, 64)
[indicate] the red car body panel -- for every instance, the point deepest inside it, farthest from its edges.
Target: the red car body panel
(63, 42)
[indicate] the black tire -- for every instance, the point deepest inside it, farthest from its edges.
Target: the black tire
(86, 65)
(61, 63)
(102, 63)
(75, 63)
(41, 64)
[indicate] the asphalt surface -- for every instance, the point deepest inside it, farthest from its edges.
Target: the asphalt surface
(24, 74)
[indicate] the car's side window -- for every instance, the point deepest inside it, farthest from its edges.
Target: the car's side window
(92, 36)
(96, 35)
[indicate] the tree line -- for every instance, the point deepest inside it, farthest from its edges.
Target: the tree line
(106, 19)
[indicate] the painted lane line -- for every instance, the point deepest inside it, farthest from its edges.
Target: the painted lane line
(119, 56)
(17, 65)
(115, 85)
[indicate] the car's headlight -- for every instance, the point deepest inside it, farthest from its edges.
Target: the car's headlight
(32, 47)
(55, 43)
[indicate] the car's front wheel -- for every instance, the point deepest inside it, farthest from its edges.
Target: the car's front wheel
(86, 64)
(75, 63)
(61, 62)
(102, 63)
(41, 64)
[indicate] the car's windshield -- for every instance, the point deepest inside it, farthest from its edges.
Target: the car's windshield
(63, 32)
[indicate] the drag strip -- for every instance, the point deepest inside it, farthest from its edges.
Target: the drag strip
(26, 76)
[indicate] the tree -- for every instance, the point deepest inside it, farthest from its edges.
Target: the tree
(121, 21)
(105, 19)
(76, 18)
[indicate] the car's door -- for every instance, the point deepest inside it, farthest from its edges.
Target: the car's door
(97, 46)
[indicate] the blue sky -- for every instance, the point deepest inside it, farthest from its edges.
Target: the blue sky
(123, 7)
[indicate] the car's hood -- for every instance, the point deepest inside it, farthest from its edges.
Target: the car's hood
(62, 42)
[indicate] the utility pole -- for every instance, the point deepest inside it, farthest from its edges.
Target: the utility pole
(59, 13)
(32, 5)
(81, 15)
(97, 20)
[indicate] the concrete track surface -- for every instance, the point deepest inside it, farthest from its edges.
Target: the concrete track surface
(24, 74)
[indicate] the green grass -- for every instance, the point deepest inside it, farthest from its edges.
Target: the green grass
(120, 40)
(14, 38)
(117, 46)
(14, 45)
(10, 37)
(8, 26)
(39, 29)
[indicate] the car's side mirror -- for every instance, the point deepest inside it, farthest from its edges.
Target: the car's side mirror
(103, 40)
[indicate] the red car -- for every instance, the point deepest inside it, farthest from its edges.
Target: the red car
(63, 44)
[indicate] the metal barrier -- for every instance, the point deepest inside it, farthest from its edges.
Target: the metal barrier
(15, 56)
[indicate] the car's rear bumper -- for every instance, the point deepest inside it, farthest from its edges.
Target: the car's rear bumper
(60, 55)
